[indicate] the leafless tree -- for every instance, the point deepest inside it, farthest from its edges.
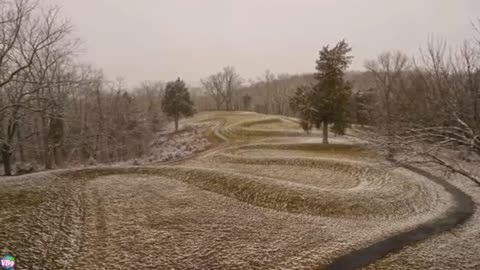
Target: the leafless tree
(232, 84)
(149, 96)
(222, 86)
(281, 93)
(268, 80)
(215, 87)
(388, 71)
(432, 109)
(55, 111)
(28, 35)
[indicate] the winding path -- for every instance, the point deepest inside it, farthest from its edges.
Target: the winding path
(265, 198)
(458, 214)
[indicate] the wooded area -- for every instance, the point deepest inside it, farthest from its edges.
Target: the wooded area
(422, 108)
(56, 111)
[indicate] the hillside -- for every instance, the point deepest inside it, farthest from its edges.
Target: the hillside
(268, 196)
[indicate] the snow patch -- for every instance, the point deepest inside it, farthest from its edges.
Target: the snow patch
(188, 140)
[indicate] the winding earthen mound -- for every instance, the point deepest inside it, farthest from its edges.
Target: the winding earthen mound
(249, 204)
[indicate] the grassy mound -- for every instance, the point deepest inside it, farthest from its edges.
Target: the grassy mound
(286, 195)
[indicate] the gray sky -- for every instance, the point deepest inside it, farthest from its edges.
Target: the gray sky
(162, 39)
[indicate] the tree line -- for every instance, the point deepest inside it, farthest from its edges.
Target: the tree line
(423, 107)
(414, 109)
(56, 111)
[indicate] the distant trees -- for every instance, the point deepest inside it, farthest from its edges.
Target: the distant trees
(106, 122)
(149, 95)
(247, 102)
(214, 85)
(389, 73)
(280, 94)
(268, 81)
(276, 90)
(327, 101)
(301, 103)
(55, 111)
(232, 83)
(427, 108)
(271, 93)
(222, 86)
(176, 102)
(362, 107)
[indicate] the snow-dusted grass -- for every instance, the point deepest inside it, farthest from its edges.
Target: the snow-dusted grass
(456, 249)
(170, 146)
(230, 118)
(273, 123)
(348, 151)
(257, 205)
(245, 125)
(321, 186)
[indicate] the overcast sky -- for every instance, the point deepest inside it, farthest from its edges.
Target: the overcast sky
(163, 39)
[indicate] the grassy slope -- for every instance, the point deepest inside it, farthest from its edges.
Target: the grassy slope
(249, 205)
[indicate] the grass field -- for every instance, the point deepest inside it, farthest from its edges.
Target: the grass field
(250, 204)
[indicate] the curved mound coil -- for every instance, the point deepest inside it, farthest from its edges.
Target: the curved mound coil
(286, 205)
(272, 126)
(367, 192)
(335, 180)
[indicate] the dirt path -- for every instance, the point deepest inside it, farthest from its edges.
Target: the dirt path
(278, 204)
(457, 215)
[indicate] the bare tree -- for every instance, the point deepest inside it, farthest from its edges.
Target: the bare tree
(432, 109)
(281, 93)
(222, 86)
(232, 84)
(388, 71)
(268, 79)
(214, 85)
(149, 95)
(28, 36)
(465, 68)
(54, 111)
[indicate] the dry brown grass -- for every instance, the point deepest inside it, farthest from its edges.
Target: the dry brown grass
(252, 206)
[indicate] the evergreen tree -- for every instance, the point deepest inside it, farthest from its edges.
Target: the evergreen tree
(176, 102)
(301, 104)
(326, 102)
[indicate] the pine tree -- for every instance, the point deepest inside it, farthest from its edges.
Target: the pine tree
(326, 102)
(301, 104)
(176, 102)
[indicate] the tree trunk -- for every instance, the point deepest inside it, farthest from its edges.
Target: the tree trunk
(47, 153)
(59, 156)
(100, 154)
(59, 150)
(6, 157)
(38, 138)
(21, 150)
(325, 132)
(176, 123)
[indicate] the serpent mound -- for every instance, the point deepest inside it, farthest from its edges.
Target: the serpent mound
(248, 205)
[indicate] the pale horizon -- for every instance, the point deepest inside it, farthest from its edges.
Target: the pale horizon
(153, 40)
